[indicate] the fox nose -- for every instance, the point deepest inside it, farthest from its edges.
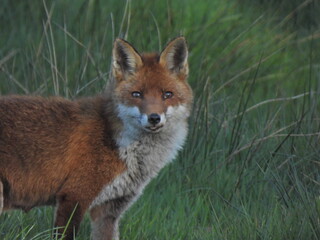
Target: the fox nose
(154, 118)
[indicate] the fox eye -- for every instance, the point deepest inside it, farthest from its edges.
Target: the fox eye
(167, 95)
(136, 94)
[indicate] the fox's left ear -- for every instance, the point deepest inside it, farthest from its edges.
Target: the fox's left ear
(175, 57)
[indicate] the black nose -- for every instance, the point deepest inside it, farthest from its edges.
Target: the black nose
(154, 118)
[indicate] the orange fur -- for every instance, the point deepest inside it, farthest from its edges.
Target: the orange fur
(53, 152)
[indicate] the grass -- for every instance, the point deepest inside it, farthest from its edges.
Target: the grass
(250, 168)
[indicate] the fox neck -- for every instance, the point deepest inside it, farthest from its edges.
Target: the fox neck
(161, 146)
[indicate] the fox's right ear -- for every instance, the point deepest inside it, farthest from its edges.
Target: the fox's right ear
(126, 60)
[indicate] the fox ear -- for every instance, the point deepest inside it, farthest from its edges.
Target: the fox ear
(126, 60)
(175, 56)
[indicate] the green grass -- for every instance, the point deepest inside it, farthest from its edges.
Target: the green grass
(250, 168)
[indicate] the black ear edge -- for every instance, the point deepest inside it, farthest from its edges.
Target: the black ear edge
(123, 53)
(181, 54)
(173, 40)
(175, 55)
(121, 41)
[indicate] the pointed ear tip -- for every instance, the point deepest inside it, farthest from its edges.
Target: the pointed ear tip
(182, 37)
(180, 40)
(118, 40)
(121, 41)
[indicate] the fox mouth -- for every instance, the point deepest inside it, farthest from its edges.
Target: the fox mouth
(154, 129)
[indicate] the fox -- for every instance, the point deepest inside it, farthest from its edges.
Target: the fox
(97, 153)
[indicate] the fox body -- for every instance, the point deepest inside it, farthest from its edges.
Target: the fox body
(96, 153)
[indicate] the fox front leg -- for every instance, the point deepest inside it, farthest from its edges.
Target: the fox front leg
(69, 214)
(105, 227)
(105, 218)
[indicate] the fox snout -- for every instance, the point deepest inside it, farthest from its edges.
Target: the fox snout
(155, 122)
(152, 122)
(154, 118)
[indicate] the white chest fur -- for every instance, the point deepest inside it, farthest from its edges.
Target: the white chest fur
(144, 156)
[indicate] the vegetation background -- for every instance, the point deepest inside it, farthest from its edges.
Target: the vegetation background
(250, 168)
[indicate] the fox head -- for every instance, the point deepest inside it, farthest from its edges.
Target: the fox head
(151, 90)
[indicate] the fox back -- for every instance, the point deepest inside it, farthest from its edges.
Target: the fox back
(96, 153)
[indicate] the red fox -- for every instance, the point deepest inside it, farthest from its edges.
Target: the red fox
(98, 153)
